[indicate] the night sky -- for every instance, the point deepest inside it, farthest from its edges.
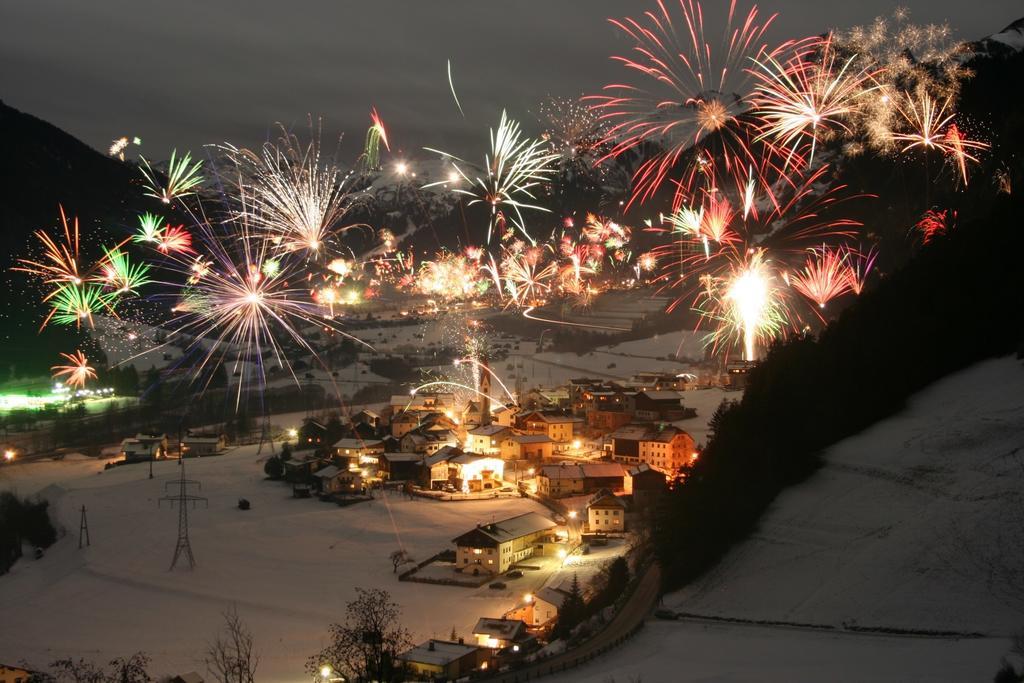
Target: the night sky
(181, 74)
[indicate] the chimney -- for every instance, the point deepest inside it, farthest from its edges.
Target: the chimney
(462, 641)
(430, 646)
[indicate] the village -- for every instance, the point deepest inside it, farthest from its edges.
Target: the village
(596, 454)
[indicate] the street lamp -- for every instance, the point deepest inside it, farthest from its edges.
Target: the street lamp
(9, 454)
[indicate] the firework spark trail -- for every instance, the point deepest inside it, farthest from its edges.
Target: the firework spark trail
(451, 86)
(512, 172)
(860, 265)
(482, 366)
(77, 372)
(528, 314)
(376, 135)
(183, 178)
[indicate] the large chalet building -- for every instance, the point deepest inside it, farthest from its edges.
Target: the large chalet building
(666, 448)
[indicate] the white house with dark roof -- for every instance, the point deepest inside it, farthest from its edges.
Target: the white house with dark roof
(493, 548)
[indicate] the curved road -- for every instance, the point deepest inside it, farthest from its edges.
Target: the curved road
(629, 617)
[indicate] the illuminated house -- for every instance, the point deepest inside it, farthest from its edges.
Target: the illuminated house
(558, 427)
(557, 481)
(493, 548)
(644, 483)
(442, 660)
(467, 472)
(17, 674)
(665, 447)
(606, 513)
(422, 403)
(358, 449)
(544, 606)
(535, 447)
(486, 439)
(144, 447)
(499, 633)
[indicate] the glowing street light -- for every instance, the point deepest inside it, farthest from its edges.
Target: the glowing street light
(573, 514)
(325, 672)
(293, 433)
(9, 454)
(528, 598)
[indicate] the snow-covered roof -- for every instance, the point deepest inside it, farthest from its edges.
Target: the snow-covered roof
(552, 596)
(506, 629)
(356, 444)
(487, 430)
(329, 472)
(586, 471)
(437, 652)
(531, 438)
(515, 527)
(664, 395)
(402, 457)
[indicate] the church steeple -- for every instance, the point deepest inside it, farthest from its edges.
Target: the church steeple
(484, 387)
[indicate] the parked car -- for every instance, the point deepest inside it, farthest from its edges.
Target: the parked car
(515, 574)
(497, 585)
(664, 614)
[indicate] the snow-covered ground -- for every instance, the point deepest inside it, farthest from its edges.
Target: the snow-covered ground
(916, 524)
(288, 565)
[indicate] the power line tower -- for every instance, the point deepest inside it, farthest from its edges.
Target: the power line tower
(183, 548)
(83, 530)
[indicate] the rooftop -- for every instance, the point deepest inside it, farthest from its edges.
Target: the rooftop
(499, 628)
(515, 527)
(437, 652)
(357, 443)
(487, 430)
(584, 471)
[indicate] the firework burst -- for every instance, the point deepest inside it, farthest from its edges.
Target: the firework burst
(824, 277)
(688, 92)
(182, 178)
(77, 372)
(812, 93)
(513, 171)
(290, 192)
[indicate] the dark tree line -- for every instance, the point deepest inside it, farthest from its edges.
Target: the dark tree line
(23, 521)
(961, 300)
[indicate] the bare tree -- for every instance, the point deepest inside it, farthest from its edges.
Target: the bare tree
(231, 657)
(398, 558)
(129, 669)
(365, 646)
(76, 671)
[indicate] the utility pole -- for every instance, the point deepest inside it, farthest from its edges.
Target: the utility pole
(183, 547)
(83, 530)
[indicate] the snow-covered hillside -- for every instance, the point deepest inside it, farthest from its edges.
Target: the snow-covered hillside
(289, 566)
(915, 524)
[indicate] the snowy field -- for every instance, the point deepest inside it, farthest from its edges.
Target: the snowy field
(288, 565)
(915, 524)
